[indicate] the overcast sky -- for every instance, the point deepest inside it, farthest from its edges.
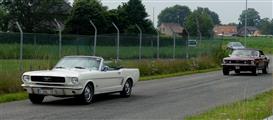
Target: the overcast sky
(228, 10)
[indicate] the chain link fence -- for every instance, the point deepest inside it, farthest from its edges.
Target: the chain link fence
(46, 46)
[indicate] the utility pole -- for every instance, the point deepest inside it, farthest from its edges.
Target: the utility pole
(246, 23)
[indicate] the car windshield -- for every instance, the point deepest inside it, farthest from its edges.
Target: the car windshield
(237, 44)
(245, 53)
(79, 63)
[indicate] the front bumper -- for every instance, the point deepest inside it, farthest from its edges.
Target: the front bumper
(241, 67)
(52, 90)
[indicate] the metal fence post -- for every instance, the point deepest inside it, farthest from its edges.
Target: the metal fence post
(117, 40)
(140, 42)
(95, 37)
(158, 42)
(187, 43)
(21, 46)
(60, 37)
(174, 44)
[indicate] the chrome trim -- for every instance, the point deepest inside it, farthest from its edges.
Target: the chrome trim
(57, 87)
(238, 65)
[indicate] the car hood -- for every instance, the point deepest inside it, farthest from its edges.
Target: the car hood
(59, 72)
(240, 58)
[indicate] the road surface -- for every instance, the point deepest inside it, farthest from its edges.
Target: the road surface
(171, 98)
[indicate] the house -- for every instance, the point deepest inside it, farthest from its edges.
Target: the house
(225, 30)
(257, 33)
(170, 28)
(250, 31)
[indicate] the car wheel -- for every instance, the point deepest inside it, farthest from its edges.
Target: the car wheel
(265, 70)
(225, 71)
(36, 99)
(87, 95)
(254, 71)
(237, 71)
(127, 89)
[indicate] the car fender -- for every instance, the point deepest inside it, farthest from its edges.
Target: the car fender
(89, 81)
(129, 77)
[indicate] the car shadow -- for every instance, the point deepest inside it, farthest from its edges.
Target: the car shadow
(75, 102)
(248, 74)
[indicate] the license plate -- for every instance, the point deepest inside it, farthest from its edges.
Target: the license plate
(237, 67)
(45, 91)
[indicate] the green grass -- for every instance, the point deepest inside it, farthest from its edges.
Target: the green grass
(46, 51)
(256, 108)
(13, 97)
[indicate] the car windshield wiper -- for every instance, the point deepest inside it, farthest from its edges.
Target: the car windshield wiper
(60, 67)
(79, 67)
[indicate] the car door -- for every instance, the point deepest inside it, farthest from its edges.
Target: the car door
(109, 81)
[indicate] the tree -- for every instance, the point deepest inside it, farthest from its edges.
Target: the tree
(253, 17)
(35, 15)
(134, 12)
(3, 20)
(175, 14)
(199, 21)
(265, 26)
(214, 16)
(81, 13)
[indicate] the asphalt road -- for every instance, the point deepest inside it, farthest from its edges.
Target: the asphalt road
(172, 98)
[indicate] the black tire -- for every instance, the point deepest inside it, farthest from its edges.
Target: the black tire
(127, 89)
(87, 95)
(237, 71)
(265, 71)
(36, 99)
(254, 71)
(225, 71)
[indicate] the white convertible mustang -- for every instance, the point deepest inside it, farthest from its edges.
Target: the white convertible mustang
(81, 77)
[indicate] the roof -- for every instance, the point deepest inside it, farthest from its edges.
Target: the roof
(249, 28)
(175, 27)
(224, 27)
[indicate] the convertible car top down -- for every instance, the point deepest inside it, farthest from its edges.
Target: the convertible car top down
(81, 77)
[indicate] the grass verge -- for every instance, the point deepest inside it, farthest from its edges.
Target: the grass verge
(256, 108)
(13, 97)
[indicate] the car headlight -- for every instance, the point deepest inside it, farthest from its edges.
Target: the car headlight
(225, 61)
(252, 62)
(75, 80)
(26, 78)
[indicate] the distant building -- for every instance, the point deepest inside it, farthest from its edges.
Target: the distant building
(225, 30)
(250, 31)
(170, 28)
